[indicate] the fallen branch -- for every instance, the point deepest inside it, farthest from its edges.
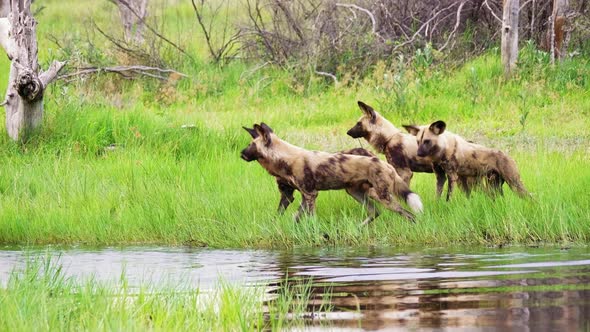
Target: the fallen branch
(126, 71)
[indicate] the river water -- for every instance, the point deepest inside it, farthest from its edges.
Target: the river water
(516, 288)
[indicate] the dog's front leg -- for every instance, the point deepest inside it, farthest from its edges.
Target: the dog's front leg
(286, 191)
(441, 178)
(453, 177)
(307, 205)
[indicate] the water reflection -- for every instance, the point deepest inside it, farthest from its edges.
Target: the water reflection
(521, 289)
(512, 289)
(149, 265)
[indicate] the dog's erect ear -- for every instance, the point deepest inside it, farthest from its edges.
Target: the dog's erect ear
(264, 131)
(438, 127)
(368, 110)
(412, 129)
(252, 132)
(259, 131)
(266, 127)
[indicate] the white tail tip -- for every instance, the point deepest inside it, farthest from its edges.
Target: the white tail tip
(415, 203)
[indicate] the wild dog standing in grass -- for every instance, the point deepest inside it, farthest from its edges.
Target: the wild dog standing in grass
(399, 148)
(465, 161)
(287, 190)
(312, 171)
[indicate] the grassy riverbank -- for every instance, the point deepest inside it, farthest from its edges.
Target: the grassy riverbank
(43, 298)
(114, 165)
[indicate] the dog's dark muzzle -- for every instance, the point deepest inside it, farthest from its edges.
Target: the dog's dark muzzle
(422, 153)
(354, 132)
(246, 156)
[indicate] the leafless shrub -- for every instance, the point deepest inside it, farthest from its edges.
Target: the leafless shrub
(136, 48)
(328, 35)
(222, 46)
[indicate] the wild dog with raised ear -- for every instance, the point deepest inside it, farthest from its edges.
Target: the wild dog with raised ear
(400, 148)
(312, 171)
(466, 161)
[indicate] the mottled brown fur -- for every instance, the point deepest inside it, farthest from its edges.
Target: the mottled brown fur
(361, 174)
(466, 163)
(400, 148)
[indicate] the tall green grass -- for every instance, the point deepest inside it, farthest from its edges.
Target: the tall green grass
(42, 298)
(120, 162)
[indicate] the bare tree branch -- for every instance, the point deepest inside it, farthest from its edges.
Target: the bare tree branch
(227, 44)
(51, 73)
(411, 40)
(457, 22)
(492, 11)
(332, 76)
(364, 10)
(142, 20)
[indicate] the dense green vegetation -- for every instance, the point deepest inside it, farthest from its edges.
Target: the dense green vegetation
(114, 165)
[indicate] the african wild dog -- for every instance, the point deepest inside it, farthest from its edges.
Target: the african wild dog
(400, 149)
(287, 190)
(465, 161)
(312, 171)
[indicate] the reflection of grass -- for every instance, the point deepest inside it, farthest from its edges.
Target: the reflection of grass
(42, 298)
(112, 164)
(295, 301)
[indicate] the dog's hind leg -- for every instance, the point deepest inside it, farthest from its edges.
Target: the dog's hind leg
(466, 184)
(286, 191)
(494, 184)
(360, 194)
(405, 173)
(508, 171)
(307, 205)
(391, 204)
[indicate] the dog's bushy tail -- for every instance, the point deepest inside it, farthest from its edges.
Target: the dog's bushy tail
(402, 190)
(413, 201)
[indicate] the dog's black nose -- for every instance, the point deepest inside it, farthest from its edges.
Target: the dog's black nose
(245, 156)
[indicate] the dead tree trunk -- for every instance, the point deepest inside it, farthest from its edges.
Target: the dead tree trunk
(24, 95)
(133, 14)
(557, 31)
(510, 36)
(4, 8)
